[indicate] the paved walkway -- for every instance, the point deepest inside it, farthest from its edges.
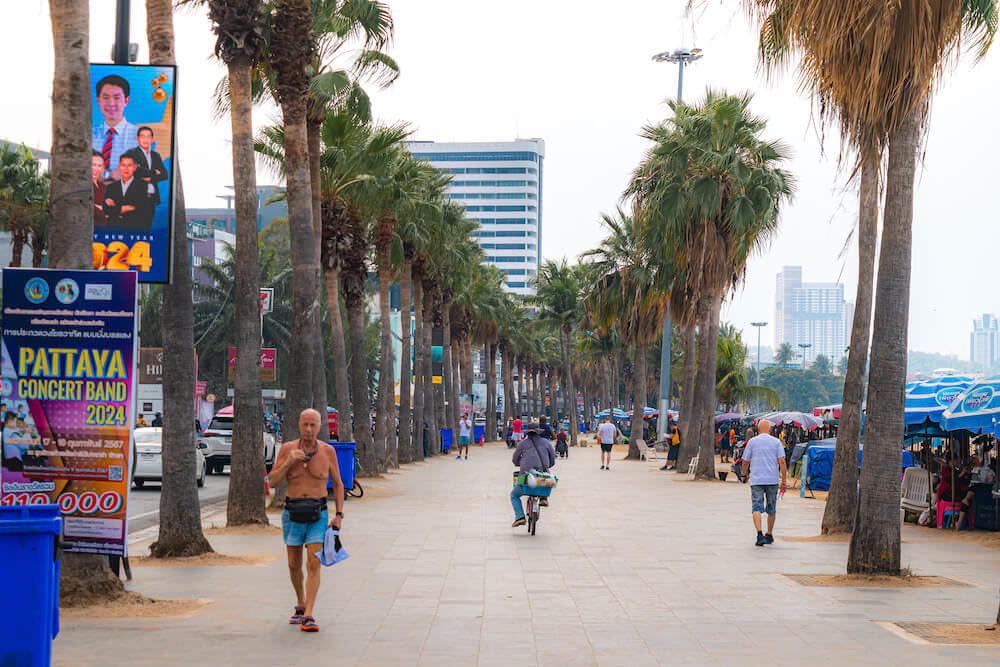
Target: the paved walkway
(629, 567)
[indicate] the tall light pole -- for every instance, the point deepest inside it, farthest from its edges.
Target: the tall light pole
(680, 57)
(758, 325)
(804, 346)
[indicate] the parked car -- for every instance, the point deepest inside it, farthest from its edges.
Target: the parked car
(148, 465)
(216, 442)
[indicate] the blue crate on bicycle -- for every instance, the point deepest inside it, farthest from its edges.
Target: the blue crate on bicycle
(544, 483)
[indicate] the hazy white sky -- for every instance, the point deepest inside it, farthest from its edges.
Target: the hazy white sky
(584, 81)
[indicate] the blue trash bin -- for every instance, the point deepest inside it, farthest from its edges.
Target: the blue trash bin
(478, 432)
(345, 459)
(446, 439)
(29, 579)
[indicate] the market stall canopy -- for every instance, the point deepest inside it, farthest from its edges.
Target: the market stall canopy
(729, 417)
(800, 419)
(832, 409)
(927, 400)
(646, 412)
(976, 409)
(618, 414)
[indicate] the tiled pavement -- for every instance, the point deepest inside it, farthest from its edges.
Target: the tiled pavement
(632, 566)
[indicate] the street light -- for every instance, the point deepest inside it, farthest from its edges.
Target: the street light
(758, 325)
(680, 57)
(804, 346)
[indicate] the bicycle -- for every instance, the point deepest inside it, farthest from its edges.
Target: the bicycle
(531, 512)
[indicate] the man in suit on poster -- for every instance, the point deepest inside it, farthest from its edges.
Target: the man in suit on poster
(127, 203)
(149, 164)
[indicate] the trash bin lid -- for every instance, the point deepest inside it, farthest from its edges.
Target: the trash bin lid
(30, 519)
(343, 445)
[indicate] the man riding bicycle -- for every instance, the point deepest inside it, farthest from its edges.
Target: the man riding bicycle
(532, 453)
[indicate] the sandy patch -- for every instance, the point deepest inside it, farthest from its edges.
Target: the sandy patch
(205, 560)
(249, 529)
(945, 634)
(133, 605)
(982, 538)
(873, 581)
(837, 537)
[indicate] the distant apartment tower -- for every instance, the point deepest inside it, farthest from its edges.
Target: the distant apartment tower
(813, 314)
(984, 343)
(500, 184)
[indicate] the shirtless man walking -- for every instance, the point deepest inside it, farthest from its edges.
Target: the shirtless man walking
(307, 464)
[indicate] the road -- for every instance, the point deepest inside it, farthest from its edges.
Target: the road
(144, 503)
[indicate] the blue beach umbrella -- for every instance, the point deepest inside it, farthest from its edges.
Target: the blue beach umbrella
(927, 400)
(975, 409)
(618, 414)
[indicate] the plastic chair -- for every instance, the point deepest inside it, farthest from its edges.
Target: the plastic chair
(694, 463)
(642, 447)
(945, 507)
(916, 490)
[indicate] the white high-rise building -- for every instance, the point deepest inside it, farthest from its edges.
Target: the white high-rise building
(984, 342)
(813, 314)
(500, 184)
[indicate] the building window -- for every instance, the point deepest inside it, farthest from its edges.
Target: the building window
(516, 284)
(485, 156)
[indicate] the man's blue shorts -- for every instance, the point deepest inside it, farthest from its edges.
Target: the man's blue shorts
(758, 493)
(296, 534)
(463, 439)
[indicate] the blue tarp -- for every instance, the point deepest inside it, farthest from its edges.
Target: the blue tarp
(820, 468)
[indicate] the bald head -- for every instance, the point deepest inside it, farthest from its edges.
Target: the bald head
(763, 426)
(309, 421)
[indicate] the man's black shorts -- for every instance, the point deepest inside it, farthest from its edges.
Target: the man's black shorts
(606, 448)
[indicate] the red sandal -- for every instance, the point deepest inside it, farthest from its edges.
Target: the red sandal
(308, 624)
(296, 617)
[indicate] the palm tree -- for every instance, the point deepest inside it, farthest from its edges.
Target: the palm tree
(24, 202)
(180, 532)
(821, 364)
(783, 355)
(880, 87)
(630, 289)
(710, 191)
(558, 298)
(239, 43)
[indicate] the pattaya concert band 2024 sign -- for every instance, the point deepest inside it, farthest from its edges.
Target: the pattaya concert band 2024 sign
(132, 167)
(68, 364)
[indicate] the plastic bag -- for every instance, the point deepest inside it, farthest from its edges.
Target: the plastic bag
(924, 518)
(532, 481)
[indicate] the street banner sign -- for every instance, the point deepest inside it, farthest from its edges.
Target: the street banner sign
(150, 365)
(133, 154)
(266, 300)
(68, 393)
(268, 364)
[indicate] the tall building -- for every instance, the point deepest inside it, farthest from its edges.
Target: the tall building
(224, 218)
(813, 314)
(500, 184)
(984, 342)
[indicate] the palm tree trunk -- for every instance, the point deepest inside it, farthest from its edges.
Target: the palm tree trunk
(704, 398)
(71, 232)
(491, 391)
(441, 418)
(686, 414)
(616, 369)
(405, 363)
(180, 531)
(639, 397)
(504, 363)
(522, 395)
(605, 385)
(468, 376)
(246, 502)
(841, 505)
(570, 393)
(359, 378)
(385, 381)
(345, 425)
(451, 395)
(430, 411)
(875, 542)
(417, 451)
(319, 392)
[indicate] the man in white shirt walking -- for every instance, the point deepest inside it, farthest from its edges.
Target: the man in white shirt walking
(464, 435)
(606, 432)
(765, 457)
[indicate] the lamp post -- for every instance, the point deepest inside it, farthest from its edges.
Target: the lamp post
(804, 346)
(758, 325)
(680, 57)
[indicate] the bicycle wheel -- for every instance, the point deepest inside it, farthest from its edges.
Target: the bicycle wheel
(355, 491)
(534, 521)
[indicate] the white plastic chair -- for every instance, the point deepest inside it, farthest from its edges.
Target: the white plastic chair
(694, 463)
(643, 448)
(916, 490)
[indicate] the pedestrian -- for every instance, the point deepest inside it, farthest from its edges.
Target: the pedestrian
(306, 464)
(141, 422)
(675, 446)
(546, 428)
(464, 435)
(562, 447)
(517, 430)
(606, 433)
(157, 420)
(725, 446)
(765, 458)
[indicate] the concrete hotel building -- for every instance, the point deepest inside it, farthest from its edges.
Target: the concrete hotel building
(814, 314)
(500, 184)
(984, 343)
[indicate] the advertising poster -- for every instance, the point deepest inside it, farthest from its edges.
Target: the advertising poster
(268, 364)
(132, 158)
(68, 366)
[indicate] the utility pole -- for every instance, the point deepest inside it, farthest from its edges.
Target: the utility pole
(680, 57)
(120, 49)
(758, 325)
